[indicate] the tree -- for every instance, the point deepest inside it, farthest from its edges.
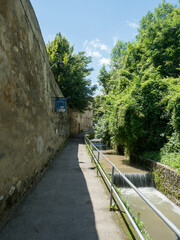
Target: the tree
(141, 100)
(159, 37)
(72, 77)
(118, 53)
(104, 78)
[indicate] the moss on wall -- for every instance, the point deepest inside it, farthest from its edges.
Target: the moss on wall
(166, 179)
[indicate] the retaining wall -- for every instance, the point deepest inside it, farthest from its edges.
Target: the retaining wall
(166, 179)
(30, 131)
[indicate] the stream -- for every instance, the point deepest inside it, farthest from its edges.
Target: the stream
(156, 228)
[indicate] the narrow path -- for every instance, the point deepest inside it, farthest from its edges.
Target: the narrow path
(69, 203)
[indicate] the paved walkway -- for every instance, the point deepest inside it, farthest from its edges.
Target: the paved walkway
(69, 203)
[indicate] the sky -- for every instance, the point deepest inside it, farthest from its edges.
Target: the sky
(93, 26)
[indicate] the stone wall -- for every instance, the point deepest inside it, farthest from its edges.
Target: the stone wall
(30, 131)
(166, 179)
(80, 122)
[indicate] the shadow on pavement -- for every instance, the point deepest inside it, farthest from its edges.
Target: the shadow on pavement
(59, 207)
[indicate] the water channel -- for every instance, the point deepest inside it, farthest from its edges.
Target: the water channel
(156, 228)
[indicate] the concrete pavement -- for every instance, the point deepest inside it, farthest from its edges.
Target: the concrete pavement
(69, 203)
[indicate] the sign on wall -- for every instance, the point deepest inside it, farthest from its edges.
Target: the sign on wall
(60, 104)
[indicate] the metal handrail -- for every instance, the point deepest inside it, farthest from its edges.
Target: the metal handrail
(120, 201)
(159, 213)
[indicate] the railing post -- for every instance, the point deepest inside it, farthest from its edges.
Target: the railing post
(87, 143)
(92, 152)
(98, 162)
(112, 180)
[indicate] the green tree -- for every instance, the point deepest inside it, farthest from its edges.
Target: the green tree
(159, 37)
(103, 78)
(141, 101)
(72, 77)
(118, 54)
(98, 108)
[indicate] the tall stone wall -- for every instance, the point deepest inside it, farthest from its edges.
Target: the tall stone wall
(30, 131)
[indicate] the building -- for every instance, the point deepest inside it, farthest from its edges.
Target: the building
(81, 122)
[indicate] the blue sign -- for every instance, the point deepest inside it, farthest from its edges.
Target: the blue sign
(60, 105)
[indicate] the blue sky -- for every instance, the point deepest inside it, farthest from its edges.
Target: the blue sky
(93, 26)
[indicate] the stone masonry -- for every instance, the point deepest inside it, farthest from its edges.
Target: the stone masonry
(30, 131)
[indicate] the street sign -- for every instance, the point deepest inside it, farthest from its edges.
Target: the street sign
(60, 105)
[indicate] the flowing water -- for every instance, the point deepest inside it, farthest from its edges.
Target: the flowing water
(139, 180)
(142, 179)
(156, 228)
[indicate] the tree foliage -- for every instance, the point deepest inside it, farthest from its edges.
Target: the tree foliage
(103, 78)
(159, 36)
(72, 77)
(118, 53)
(141, 99)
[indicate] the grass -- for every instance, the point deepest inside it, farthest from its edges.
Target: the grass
(171, 159)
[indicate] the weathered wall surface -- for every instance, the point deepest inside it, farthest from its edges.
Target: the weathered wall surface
(30, 131)
(166, 179)
(80, 122)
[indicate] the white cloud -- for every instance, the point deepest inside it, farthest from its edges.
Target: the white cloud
(105, 61)
(94, 43)
(96, 54)
(133, 24)
(97, 44)
(93, 48)
(91, 53)
(104, 47)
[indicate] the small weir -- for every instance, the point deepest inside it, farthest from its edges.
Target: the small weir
(156, 228)
(139, 180)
